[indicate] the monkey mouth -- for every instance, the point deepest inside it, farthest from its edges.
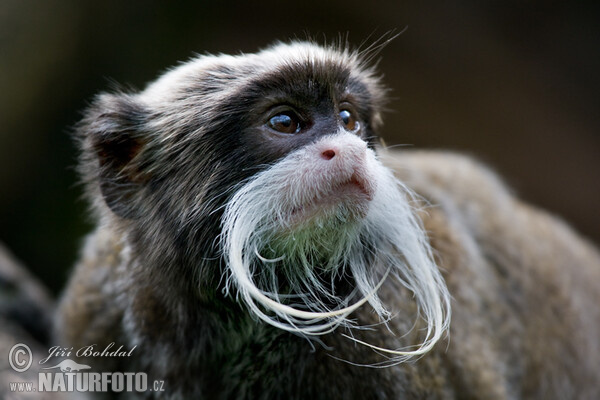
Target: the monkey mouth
(353, 194)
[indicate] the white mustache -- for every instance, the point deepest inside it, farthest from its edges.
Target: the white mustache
(387, 243)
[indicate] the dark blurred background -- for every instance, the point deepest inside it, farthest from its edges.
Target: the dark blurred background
(514, 83)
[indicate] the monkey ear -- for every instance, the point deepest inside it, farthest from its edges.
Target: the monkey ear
(113, 141)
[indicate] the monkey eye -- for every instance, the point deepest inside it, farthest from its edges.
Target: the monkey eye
(286, 122)
(349, 121)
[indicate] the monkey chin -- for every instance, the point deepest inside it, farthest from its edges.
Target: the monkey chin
(321, 229)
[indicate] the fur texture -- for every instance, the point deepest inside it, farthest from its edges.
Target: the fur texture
(246, 263)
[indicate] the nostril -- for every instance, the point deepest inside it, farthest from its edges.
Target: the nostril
(328, 154)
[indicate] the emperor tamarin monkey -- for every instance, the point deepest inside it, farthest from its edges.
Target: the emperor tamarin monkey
(254, 242)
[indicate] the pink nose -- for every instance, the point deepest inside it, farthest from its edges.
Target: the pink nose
(341, 151)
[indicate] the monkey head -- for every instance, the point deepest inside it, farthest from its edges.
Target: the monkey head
(256, 176)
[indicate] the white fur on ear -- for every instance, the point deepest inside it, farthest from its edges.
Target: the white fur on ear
(259, 247)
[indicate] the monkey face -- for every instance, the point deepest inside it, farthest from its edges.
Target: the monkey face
(317, 116)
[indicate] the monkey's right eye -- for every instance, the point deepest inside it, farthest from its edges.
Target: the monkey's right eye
(284, 123)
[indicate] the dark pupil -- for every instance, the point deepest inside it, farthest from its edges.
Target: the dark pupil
(283, 123)
(282, 120)
(348, 120)
(346, 116)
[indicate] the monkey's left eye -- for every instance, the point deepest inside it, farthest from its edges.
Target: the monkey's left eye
(285, 123)
(349, 121)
